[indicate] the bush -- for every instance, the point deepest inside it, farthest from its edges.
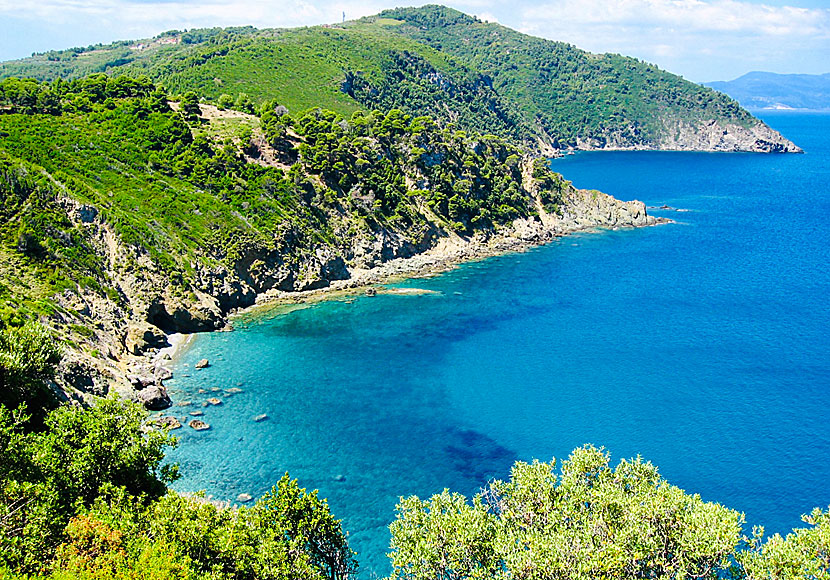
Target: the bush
(28, 356)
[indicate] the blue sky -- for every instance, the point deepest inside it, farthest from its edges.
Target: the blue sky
(702, 40)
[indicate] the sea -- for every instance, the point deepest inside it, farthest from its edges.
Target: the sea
(702, 346)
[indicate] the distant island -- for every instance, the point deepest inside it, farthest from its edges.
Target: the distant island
(758, 91)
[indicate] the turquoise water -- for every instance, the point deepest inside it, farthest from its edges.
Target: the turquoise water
(701, 345)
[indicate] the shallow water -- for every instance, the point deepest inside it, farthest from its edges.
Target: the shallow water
(701, 345)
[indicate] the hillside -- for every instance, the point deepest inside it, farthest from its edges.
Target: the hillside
(436, 61)
(124, 219)
(764, 90)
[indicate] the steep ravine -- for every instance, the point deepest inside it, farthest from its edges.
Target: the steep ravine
(129, 331)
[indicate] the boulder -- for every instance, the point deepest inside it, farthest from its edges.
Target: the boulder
(154, 398)
(141, 381)
(214, 401)
(168, 423)
(202, 364)
(163, 373)
(199, 425)
(142, 336)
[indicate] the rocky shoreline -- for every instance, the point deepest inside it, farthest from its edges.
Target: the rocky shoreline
(133, 335)
(596, 211)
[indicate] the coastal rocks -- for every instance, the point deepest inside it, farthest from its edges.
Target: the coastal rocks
(163, 373)
(201, 316)
(168, 422)
(244, 497)
(214, 401)
(142, 336)
(260, 418)
(716, 136)
(83, 377)
(202, 364)
(141, 381)
(198, 425)
(154, 398)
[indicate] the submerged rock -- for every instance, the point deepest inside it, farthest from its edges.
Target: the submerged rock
(260, 418)
(203, 364)
(214, 401)
(244, 497)
(199, 425)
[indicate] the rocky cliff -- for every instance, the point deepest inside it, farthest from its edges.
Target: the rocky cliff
(130, 330)
(712, 135)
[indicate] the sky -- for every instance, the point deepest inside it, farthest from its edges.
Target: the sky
(702, 40)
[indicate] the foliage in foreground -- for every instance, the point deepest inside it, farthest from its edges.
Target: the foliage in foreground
(593, 521)
(86, 499)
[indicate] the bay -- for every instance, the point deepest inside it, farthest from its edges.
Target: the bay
(701, 345)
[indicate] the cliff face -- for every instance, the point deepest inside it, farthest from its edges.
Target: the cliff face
(710, 136)
(129, 331)
(720, 136)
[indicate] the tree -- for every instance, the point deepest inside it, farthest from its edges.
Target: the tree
(28, 355)
(225, 101)
(48, 477)
(805, 553)
(190, 107)
(591, 522)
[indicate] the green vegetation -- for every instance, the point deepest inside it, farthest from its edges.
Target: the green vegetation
(27, 358)
(431, 60)
(570, 93)
(592, 522)
(190, 193)
(84, 497)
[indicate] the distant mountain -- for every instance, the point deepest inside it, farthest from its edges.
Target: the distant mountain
(477, 76)
(764, 90)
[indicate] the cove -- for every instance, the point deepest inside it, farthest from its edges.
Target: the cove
(701, 345)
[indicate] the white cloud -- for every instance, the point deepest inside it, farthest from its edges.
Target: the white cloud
(702, 39)
(688, 36)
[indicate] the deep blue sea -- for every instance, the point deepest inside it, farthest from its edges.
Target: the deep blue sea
(703, 346)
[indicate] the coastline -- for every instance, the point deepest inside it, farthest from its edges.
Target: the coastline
(584, 211)
(447, 255)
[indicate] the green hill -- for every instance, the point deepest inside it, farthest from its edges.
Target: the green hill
(436, 61)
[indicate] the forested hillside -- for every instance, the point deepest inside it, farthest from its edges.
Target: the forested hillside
(439, 62)
(126, 218)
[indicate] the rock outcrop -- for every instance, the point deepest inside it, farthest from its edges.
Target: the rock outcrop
(711, 135)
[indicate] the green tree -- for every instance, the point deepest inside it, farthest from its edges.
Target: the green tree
(190, 107)
(805, 553)
(225, 101)
(28, 355)
(49, 477)
(593, 521)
